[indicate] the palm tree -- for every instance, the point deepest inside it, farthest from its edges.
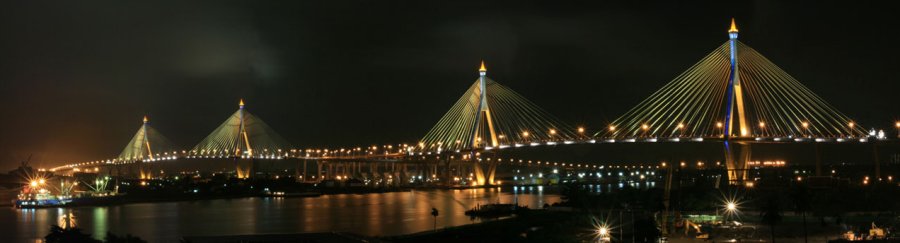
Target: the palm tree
(802, 205)
(65, 235)
(771, 215)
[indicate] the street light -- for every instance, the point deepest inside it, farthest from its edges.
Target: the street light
(720, 126)
(730, 207)
(805, 126)
(897, 125)
(850, 131)
(762, 127)
(602, 232)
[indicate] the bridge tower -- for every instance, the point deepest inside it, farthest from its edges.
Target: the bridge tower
(243, 146)
(481, 117)
(245, 141)
(146, 172)
(736, 155)
(735, 95)
(142, 146)
(244, 138)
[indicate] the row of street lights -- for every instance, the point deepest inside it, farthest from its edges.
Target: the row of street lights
(680, 127)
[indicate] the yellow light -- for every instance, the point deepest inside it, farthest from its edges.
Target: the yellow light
(42, 181)
(731, 206)
(806, 124)
(719, 124)
(552, 131)
(34, 183)
(680, 125)
(762, 124)
(733, 26)
(525, 134)
(645, 127)
(580, 129)
(482, 69)
(851, 124)
(897, 124)
(603, 231)
(663, 164)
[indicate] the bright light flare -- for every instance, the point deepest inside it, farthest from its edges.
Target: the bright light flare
(602, 230)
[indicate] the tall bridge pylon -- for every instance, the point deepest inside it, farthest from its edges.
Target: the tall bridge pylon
(736, 94)
(733, 92)
(142, 146)
(492, 116)
(241, 136)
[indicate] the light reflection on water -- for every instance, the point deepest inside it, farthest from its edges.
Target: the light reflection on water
(368, 214)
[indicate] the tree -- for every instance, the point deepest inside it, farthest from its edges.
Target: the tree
(771, 214)
(645, 230)
(68, 235)
(434, 214)
(802, 205)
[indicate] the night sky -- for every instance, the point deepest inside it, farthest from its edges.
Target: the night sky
(77, 76)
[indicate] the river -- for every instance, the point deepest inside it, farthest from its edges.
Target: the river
(375, 214)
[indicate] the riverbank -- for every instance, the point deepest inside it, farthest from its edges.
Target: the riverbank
(532, 226)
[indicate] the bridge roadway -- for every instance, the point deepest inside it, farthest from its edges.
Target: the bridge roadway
(447, 164)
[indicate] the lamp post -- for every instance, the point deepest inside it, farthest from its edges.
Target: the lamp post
(850, 126)
(719, 125)
(805, 126)
(897, 125)
(762, 129)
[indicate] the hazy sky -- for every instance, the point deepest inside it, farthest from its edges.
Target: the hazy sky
(77, 76)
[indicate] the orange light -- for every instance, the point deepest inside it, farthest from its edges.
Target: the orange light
(733, 26)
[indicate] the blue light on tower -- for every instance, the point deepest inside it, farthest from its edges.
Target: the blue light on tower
(732, 35)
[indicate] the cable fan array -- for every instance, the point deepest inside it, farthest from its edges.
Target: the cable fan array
(694, 103)
(513, 119)
(146, 144)
(242, 135)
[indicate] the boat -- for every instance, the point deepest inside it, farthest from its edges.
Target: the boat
(40, 198)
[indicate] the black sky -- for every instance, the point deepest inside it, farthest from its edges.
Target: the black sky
(76, 76)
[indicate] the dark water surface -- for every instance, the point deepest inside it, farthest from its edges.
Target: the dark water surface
(368, 214)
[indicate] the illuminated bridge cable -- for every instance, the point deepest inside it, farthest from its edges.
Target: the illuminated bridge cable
(694, 104)
(146, 144)
(242, 135)
(505, 118)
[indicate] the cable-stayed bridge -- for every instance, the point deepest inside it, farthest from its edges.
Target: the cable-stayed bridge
(733, 95)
